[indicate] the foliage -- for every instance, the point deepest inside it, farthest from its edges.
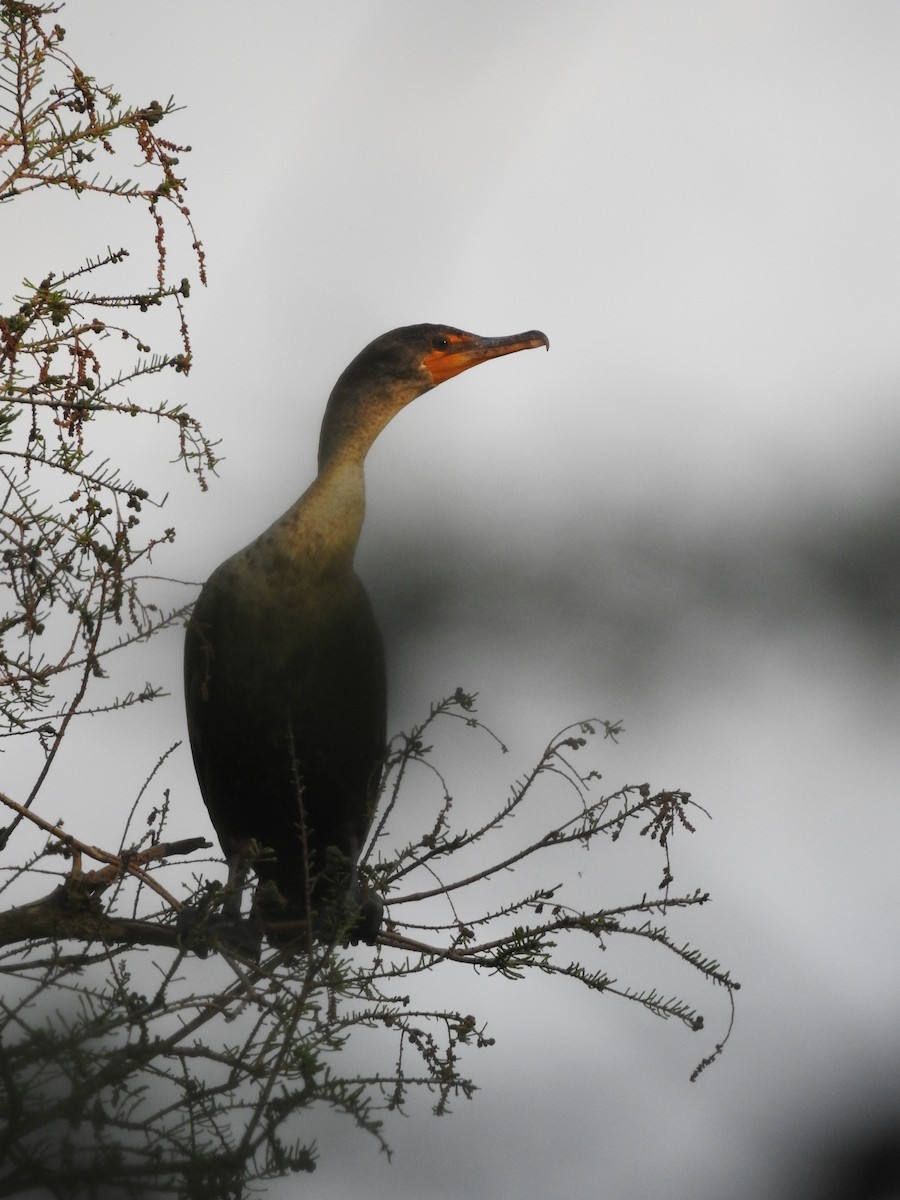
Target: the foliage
(126, 1066)
(134, 1075)
(72, 526)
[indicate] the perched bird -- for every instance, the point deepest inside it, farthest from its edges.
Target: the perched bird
(284, 664)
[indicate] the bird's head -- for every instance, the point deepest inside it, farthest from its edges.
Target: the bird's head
(396, 368)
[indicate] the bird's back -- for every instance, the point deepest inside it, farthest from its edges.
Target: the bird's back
(285, 687)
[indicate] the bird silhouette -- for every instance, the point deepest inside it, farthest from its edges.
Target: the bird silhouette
(285, 680)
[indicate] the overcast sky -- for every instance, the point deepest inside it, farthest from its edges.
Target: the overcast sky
(679, 516)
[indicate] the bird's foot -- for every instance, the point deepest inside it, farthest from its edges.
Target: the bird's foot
(200, 931)
(232, 933)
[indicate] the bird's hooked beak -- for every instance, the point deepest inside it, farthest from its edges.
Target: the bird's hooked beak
(455, 351)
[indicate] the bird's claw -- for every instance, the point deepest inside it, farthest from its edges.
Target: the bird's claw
(226, 931)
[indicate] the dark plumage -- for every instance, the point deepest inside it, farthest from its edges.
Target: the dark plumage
(284, 664)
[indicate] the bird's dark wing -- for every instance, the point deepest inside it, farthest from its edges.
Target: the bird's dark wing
(286, 714)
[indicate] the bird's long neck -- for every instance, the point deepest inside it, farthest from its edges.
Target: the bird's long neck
(359, 407)
(322, 529)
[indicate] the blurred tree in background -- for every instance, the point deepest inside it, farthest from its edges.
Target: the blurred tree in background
(124, 1069)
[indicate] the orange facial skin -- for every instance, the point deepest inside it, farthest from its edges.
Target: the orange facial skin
(456, 351)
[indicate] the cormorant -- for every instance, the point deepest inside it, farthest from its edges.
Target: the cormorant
(284, 664)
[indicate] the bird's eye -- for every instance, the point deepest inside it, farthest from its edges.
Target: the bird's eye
(441, 343)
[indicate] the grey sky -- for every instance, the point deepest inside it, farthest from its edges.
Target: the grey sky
(698, 202)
